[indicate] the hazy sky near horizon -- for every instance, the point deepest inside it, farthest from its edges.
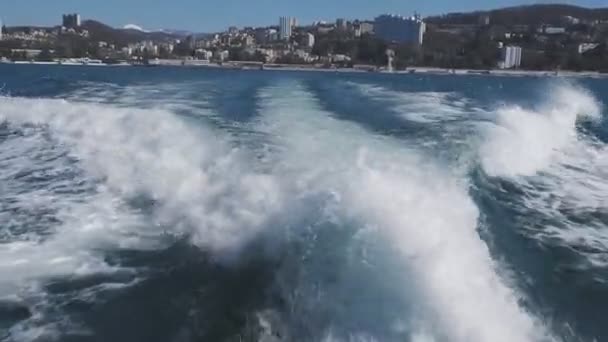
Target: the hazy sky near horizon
(215, 15)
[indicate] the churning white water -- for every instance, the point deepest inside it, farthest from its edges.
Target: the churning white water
(423, 210)
(402, 258)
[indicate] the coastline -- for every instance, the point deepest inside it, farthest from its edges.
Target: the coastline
(308, 68)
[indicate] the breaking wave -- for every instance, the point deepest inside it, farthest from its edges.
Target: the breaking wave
(525, 141)
(197, 182)
(146, 177)
(559, 166)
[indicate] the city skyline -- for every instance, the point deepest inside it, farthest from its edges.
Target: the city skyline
(215, 15)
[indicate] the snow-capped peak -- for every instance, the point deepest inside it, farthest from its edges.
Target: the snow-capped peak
(134, 27)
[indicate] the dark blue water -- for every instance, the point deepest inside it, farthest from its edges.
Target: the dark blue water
(177, 204)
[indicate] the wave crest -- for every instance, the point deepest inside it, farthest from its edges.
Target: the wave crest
(524, 141)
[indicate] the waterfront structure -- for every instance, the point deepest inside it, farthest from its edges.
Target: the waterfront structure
(191, 42)
(362, 28)
(204, 54)
(484, 20)
(273, 35)
(226, 39)
(221, 55)
(398, 29)
(71, 20)
(309, 40)
(285, 27)
(584, 47)
(572, 20)
(261, 35)
(510, 57)
(324, 29)
(27, 53)
(550, 30)
(390, 57)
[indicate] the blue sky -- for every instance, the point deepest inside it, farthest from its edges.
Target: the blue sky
(215, 15)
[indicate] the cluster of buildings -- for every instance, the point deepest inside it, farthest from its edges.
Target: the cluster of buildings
(270, 43)
(146, 47)
(33, 35)
(289, 41)
(71, 24)
(273, 42)
(561, 42)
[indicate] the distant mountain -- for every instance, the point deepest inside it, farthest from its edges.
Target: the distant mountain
(523, 15)
(101, 32)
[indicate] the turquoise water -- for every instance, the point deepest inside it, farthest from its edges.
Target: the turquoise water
(176, 204)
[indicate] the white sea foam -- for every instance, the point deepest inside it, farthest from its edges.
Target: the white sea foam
(561, 171)
(195, 184)
(423, 107)
(525, 141)
(201, 186)
(450, 119)
(188, 96)
(51, 216)
(425, 211)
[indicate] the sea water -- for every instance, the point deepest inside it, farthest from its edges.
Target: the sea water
(185, 204)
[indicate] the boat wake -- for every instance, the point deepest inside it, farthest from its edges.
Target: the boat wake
(368, 236)
(559, 167)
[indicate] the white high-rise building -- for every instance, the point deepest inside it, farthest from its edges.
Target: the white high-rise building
(399, 29)
(309, 40)
(285, 26)
(71, 20)
(510, 57)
